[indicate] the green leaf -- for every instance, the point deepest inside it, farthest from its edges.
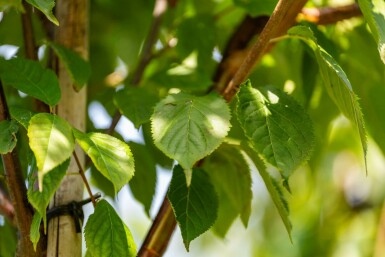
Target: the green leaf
(34, 233)
(230, 174)
(188, 128)
(51, 140)
(195, 207)
(31, 78)
(8, 239)
(276, 125)
(336, 82)
(22, 116)
(112, 157)
(51, 182)
(78, 68)
(46, 7)
(273, 187)
(8, 139)
(107, 235)
(374, 13)
(257, 7)
(137, 104)
(143, 184)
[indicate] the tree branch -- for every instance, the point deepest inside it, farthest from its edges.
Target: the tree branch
(146, 55)
(81, 172)
(329, 15)
(282, 18)
(18, 193)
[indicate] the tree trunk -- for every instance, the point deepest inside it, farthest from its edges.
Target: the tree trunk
(63, 240)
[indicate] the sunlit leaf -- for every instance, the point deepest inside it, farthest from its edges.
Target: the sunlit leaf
(8, 139)
(21, 115)
(51, 181)
(143, 184)
(31, 78)
(231, 177)
(34, 233)
(137, 104)
(336, 82)
(195, 207)
(273, 187)
(112, 157)
(107, 235)
(276, 125)
(374, 13)
(78, 68)
(188, 128)
(51, 140)
(46, 7)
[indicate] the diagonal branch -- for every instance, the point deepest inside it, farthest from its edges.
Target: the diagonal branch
(146, 55)
(329, 15)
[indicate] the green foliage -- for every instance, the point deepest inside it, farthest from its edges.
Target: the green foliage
(143, 183)
(374, 13)
(273, 187)
(35, 229)
(8, 139)
(31, 78)
(136, 104)
(276, 125)
(112, 157)
(257, 7)
(40, 199)
(52, 142)
(195, 206)
(336, 82)
(230, 175)
(22, 116)
(7, 4)
(107, 235)
(188, 128)
(46, 7)
(8, 240)
(77, 67)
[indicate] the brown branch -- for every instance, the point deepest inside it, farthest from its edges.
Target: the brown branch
(329, 15)
(30, 46)
(146, 55)
(18, 193)
(158, 237)
(81, 172)
(6, 208)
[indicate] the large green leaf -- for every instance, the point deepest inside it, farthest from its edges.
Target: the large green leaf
(34, 233)
(231, 177)
(137, 104)
(112, 157)
(21, 115)
(188, 128)
(273, 187)
(40, 199)
(374, 13)
(78, 68)
(31, 78)
(8, 140)
(336, 82)
(143, 184)
(46, 7)
(107, 235)
(195, 207)
(51, 140)
(276, 125)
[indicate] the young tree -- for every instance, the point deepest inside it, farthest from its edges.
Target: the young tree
(219, 90)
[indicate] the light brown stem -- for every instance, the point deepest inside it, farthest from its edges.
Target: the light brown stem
(329, 15)
(85, 181)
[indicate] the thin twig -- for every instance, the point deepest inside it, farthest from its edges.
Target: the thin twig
(81, 172)
(330, 15)
(146, 55)
(282, 18)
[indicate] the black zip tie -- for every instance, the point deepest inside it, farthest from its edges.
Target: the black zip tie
(73, 209)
